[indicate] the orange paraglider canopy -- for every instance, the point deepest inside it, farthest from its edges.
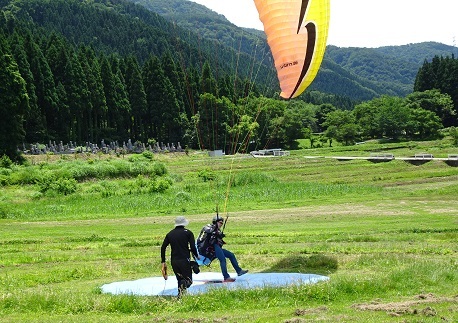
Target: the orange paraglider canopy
(297, 31)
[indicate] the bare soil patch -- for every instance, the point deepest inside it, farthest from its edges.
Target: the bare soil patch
(422, 304)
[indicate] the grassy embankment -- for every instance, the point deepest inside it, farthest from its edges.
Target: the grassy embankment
(385, 234)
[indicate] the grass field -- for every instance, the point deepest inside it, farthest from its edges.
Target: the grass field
(385, 233)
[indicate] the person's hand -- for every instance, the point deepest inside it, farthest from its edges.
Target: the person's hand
(164, 271)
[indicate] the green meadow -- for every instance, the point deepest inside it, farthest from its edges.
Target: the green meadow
(384, 233)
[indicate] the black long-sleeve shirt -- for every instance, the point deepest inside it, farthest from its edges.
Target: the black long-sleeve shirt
(181, 241)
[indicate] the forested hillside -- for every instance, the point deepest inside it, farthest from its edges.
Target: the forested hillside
(355, 73)
(210, 25)
(196, 34)
(388, 70)
(117, 26)
(114, 70)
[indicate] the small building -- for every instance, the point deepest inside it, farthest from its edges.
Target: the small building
(276, 152)
(215, 153)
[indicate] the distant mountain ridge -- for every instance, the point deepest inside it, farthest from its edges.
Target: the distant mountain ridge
(357, 73)
(195, 34)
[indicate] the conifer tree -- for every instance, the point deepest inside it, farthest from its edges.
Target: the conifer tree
(137, 97)
(35, 122)
(55, 64)
(77, 99)
(440, 74)
(163, 108)
(114, 118)
(96, 94)
(14, 104)
(122, 102)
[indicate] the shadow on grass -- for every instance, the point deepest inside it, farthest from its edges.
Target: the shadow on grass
(314, 264)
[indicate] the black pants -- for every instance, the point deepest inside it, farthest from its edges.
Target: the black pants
(183, 273)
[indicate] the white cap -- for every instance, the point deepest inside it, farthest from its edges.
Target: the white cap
(181, 221)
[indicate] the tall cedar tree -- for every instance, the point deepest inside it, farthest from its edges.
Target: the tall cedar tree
(137, 97)
(163, 107)
(35, 122)
(97, 98)
(118, 120)
(14, 104)
(207, 109)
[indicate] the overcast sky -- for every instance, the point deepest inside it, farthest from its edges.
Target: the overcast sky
(367, 23)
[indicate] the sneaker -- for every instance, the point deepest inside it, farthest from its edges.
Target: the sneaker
(229, 280)
(242, 272)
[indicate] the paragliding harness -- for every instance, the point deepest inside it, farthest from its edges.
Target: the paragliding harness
(204, 244)
(205, 241)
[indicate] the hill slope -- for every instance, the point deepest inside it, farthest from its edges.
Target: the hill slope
(195, 34)
(357, 73)
(121, 27)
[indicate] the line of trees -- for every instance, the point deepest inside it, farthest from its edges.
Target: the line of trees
(419, 116)
(57, 92)
(441, 74)
(73, 94)
(53, 90)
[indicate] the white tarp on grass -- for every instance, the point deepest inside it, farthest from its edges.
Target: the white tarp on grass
(157, 286)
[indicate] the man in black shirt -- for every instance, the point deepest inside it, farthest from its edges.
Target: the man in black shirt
(181, 240)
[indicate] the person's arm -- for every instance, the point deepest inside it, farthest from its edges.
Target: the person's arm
(165, 243)
(192, 244)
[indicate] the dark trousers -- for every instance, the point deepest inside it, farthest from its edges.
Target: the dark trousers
(183, 273)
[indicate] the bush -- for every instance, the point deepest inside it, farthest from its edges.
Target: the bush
(4, 211)
(207, 175)
(135, 158)
(453, 132)
(148, 154)
(160, 185)
(5, 162)
(4, 180)
(141, 182)
(25, 175)
(49, 183)
(65, 186)
(159, 169)
(182, 197)
(107, 189)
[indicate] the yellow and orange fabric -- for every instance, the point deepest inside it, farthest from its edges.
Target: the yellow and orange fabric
(297, 31)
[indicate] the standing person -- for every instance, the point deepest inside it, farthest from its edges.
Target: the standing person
(181, 241)
(215, 236)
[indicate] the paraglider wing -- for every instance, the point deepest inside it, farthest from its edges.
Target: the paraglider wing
(297, 31)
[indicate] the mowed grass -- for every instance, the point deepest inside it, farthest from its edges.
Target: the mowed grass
(384, 233)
